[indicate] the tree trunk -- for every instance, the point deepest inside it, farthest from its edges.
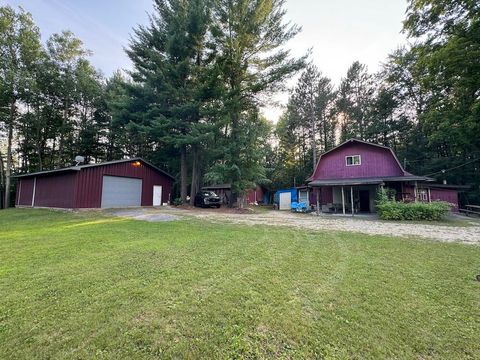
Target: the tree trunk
(314, 145)
(2, 181)
(62, 134)
(183, 173)
(39, 142)
(8, 168)
(313, 127)
(194, 184)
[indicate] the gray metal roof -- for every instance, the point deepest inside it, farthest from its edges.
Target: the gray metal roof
(367, 181)
(80, 167)
(217, 186)
(449, 186)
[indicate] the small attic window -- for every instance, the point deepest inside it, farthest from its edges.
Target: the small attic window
(353, 160)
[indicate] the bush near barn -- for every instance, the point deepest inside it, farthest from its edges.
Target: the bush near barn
(389, 209)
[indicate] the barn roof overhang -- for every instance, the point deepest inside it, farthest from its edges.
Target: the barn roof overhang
(367, 181)
(217, 187)
(449, 186)
(48, 172)
(80, 167)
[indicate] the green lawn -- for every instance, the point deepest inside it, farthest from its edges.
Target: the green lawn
(84, 286)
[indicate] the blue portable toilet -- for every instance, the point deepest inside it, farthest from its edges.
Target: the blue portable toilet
(285, 197)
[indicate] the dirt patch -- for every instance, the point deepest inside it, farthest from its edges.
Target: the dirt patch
(143, 214)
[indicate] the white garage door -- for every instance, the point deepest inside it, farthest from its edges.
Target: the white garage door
(120, 192)
(285, 201)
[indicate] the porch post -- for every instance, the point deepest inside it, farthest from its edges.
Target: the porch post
(415, 191)
(429, 196)
(343, 200)
(318, 200)
(351, 198)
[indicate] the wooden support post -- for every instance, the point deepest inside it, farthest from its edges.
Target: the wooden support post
(429, 196)
(318, 201)
(351, 198)
(415, 191)
(343, 200)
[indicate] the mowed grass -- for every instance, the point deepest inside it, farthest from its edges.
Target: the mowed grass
(81, 286)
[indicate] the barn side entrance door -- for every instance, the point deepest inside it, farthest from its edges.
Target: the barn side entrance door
(285, 201)
(157, 195)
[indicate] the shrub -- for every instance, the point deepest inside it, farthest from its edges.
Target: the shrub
(393, 210)
(177, 202)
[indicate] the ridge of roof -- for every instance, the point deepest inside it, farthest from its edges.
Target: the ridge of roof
(80, 167)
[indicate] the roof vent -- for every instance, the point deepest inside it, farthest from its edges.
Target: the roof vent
(79, 160)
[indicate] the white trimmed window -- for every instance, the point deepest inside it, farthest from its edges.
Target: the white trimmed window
(423, 195)
(353, 160)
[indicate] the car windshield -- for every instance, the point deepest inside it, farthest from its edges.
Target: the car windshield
(209, 193)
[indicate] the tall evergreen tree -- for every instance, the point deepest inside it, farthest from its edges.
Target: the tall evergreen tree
(169, 56)
(310, 115)
(249, 37)
(354, 102)
(304, 104)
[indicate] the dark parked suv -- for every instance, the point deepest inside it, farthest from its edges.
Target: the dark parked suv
(207, 199)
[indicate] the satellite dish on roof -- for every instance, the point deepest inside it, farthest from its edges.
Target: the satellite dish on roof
(79, 160)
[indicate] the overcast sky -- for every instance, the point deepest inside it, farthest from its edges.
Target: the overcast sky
(338, 31)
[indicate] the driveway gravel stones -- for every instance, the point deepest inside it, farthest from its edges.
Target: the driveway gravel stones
(450, 232)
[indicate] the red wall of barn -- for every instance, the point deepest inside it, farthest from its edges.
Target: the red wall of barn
(326, 196)
(448, 195)
(251, 195)
(55, 191)
(90, 180)
(24, 192)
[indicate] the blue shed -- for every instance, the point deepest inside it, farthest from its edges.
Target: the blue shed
(285, 197)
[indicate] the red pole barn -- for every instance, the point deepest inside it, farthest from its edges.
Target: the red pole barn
(122, 183)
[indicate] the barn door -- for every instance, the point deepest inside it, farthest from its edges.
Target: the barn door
(285, 201)
(121, 192)
(157, 195)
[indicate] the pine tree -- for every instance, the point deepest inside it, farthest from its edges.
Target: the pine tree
(169, 56)
(249, 37)
(354, 102)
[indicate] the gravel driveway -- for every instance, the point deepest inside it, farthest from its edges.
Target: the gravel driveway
(469, 233)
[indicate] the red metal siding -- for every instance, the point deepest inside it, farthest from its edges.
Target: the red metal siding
(55, 191)
(24, 192)
(251, 195)
(375, 161)
(312, 196)
(408, 193)
(90, 179)
(448, 195)
(326, 196)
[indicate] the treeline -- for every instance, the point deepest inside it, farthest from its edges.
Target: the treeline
(424, 102)
(203, 69)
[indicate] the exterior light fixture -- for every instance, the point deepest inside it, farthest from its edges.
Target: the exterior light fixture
(136, 164)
